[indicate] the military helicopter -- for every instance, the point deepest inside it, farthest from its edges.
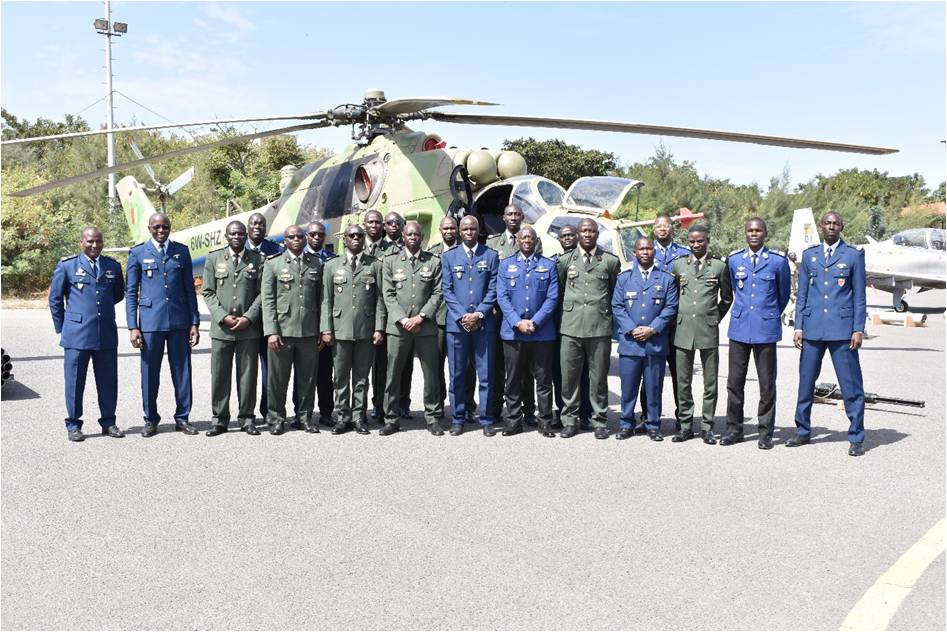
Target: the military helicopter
(390, 167)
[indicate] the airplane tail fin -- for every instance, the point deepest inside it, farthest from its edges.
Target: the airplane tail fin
(137, 207)
(686, 218)
(803, 233)
(871, 240)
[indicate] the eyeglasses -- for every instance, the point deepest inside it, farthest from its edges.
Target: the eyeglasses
(393, 222)
(294, 236)
(316, 234)
(160, 227)
(356, 235)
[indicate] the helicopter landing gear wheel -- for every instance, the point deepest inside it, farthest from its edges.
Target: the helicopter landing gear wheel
(902, 307)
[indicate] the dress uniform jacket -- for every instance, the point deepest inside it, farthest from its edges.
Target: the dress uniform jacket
(651, 303)
(469, 285)
(291, 295)
(230, 291)
(760, 295)
(665, 258)
(528, 290)
(703, 300)
(410, 290)
(267, 248)
(83, 306)
(506, 245)
(438, 249)
(159, 291)
(352, 304)
(587, 293)
(831, 300)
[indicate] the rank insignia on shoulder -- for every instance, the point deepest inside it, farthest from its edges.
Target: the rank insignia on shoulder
(68, 257)
(778, 252)
(738, 250)
(275, 256)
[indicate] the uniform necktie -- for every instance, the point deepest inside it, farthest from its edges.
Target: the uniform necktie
(354, 263)
(828, 254)
(413, 261)
(95, 269)
(588, 259)
(646, 274)
(697, 265)
(161, 250)
(753, 259)
(236, 260)
(470, 254)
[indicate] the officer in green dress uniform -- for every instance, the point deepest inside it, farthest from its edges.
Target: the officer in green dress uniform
(587, 279)
(353, 323)
(232, 280)
(412, 291)
(292, 294)
(704, 297)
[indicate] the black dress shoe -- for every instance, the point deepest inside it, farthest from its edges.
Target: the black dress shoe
(277, 429)
(297, 424)
(113, 431)
(730, 439)
(389, 429)
(708, 437)
(456, 430)
(568, 432)
(585, 425)
(512, 429)
(341, 427)
(682, 436)
(489, 430)
(326, 420)
(149, 430)
(435, 429)
(530, 420)
(655, 435)
(312, 427)
(556, 425)
(546, 430)
(361, 429)
(601, 433)
(216, 430)
(251, 430)
(765, 442)
(76, 435)
(625, 433)
(798, 440)
(185, 427)
(856, 449)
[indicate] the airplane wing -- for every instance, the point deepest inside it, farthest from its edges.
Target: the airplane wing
(880, 277)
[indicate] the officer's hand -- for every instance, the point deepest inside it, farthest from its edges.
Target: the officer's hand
(856, 342)
(524, 327)
(413, 324)
(242, 322)
(468, 321)
(327, 339)
(135, 336)
(797, 339)
(274, 342)
(378, 337)
(195, 336)
(229, 321)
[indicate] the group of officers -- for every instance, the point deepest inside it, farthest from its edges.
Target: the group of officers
(523, 329)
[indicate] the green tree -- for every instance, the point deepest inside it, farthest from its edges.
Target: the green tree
(561, 162)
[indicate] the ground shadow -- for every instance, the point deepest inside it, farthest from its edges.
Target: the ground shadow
(14, 390)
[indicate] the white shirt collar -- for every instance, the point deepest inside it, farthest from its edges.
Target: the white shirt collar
(469, 251)
(644, 270)
(157, 246)
(584, 252)
(351, 256)
(834, 247)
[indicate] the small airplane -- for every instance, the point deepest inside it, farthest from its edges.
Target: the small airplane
(390, 167)
(911, 259)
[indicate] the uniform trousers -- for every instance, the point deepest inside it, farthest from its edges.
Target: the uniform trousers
(401, 352)
(647, 372)
(298, 356)
(672, 367)
(461, 346)
(764, 356)
(179, 359)
(849, 372)
(527, 388)
(221, 370)
(351, 378)
(105, 368)
(526, 361)
(324, 386)
(573, 353)
(470, 383)
(585, 406)
(380, 380)
(709, 362)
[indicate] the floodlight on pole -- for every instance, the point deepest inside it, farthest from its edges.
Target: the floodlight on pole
(120, 27)
(102, 25)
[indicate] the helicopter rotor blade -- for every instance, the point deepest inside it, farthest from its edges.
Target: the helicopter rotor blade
(180, 181)
(137, 152)
(302, 117)
(413, 105)
(658, 130)
(171, 154)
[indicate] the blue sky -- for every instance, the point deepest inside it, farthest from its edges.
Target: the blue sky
(866, 73)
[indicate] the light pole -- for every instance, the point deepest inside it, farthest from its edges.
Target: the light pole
(108, 29)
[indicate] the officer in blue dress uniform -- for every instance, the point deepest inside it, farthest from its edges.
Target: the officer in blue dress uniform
(645, 304)
(82, 298)
(161, 308)
(315, 244)
(528, 294)
(761, 279)
(257, 240)
(666, 251)
(830, 316)
(470, 291)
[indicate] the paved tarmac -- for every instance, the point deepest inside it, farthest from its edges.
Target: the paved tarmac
(413, 531)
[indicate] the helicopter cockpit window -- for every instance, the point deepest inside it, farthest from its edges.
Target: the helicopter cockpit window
(601, 192)
(527, 201)
(915, 238)
(938, 239)
(551, 193)
(329, 194)
(606, 236)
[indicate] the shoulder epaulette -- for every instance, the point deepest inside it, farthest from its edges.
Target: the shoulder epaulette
(857, 247)
(107, 258)
(812, 246)
(735, 252)
(140, 245)
(68, 257)
(778, 252)
(683, 254)
(274, 256)
(609, 254)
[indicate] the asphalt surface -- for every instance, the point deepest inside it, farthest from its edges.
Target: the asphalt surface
(414, 531)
